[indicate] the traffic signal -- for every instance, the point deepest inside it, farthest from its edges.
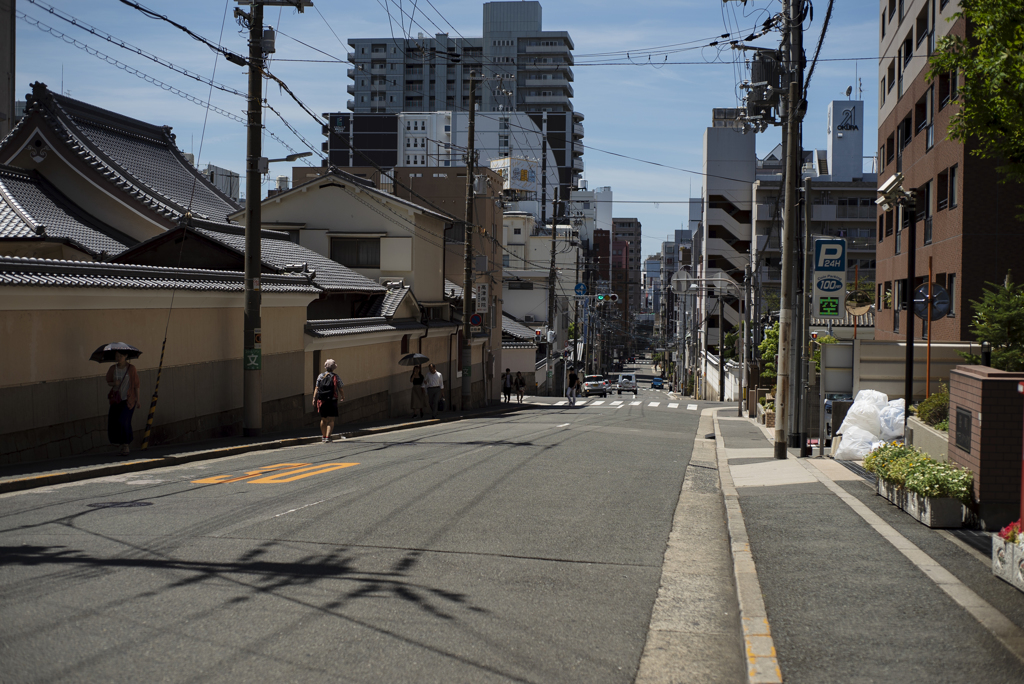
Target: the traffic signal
(601, 297)
(613, 297)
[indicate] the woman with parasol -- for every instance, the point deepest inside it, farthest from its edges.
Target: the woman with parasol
(419, 392)
(123, 379)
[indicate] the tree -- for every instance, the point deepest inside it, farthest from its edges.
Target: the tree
(999, 320)
(991, 97)
(769, 349)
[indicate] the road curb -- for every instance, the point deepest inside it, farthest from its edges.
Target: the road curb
(762, 663)
(49, 479)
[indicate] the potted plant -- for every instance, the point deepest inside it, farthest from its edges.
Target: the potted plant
(1008, 555)
(930, 491)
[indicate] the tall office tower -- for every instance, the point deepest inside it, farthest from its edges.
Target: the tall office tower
(525, 69)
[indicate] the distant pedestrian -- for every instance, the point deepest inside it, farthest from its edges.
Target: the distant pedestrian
(506, 384)
(570, 390)
(419, 394)
(328, 392)
(123, 380)
(434, 382)
(520, 384)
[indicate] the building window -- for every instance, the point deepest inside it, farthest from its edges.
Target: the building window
(505, 260)
(951, 288)
(924, 210)
(881, 226)
(887, 295)
(922, 25)
(952, 187)
(883, 23)
(517, 231)
(356, 252)
(942, 190)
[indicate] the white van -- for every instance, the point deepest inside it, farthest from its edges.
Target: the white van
(627, 382)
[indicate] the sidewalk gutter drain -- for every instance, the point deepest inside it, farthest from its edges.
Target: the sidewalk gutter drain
(710, 435)
(120, 504)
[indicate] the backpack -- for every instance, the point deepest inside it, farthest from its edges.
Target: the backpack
(325, 387)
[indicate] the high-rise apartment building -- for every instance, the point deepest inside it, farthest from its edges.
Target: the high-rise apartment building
(629, 231)
(527, 69)
(966, 225)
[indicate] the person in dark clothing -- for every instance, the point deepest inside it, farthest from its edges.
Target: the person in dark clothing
(328, 392)
(419, 392)
(519, 382)
(571, 386)
(506, 384)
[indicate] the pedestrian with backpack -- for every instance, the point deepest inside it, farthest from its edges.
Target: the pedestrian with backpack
(328, 392)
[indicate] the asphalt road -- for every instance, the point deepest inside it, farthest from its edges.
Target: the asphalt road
(527, 548)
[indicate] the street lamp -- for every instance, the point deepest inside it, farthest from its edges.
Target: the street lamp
(892, 195)
(264, 164)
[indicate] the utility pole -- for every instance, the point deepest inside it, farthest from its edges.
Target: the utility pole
(805, 321)
(467, 283)
(554, 234)
(745, 347)
(252, 360)
(795, 107)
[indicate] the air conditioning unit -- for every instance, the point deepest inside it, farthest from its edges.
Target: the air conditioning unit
(391, 281)
(529, 318)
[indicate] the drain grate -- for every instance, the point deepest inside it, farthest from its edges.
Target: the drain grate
(858, 469)
(119, 504)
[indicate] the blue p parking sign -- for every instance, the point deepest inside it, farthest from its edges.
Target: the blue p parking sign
(829, 278)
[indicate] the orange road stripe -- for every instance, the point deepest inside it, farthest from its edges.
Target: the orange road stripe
(293, 475)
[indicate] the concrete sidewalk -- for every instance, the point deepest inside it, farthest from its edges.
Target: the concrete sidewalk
(853, 589)
(45, 473)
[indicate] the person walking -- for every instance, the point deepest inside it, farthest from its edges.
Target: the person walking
(419, 394)
(123, 380)
(434, 382)
(570, 389)
(520, 384)
(506, 384)
(328, 392)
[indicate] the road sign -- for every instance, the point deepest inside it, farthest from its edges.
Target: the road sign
(476, 320)
(581, 289)
(829, 278)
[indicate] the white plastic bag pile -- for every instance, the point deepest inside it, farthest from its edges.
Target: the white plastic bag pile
(872, 420)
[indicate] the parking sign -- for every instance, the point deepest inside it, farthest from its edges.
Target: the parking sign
(829, 278)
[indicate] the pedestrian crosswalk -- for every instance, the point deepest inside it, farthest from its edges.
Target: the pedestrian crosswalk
(616, 404)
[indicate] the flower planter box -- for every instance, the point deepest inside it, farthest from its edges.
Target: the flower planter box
(943, 513)
(766, 418)
(937, 513)
(1004, 559)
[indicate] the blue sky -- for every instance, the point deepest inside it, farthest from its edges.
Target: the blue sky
(654, 114)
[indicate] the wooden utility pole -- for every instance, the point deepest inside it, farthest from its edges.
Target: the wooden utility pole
(252, 358)
(467, 283)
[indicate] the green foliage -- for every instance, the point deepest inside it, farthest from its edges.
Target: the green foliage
(943, 425)
(909, 467)
(731, 341)
(999, 319)
(991, 97)
(769, 406)
(935, 408)
(827, 339)
(768, 348)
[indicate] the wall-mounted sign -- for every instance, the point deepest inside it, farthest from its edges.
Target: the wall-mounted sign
(482, 297)
(829, 278)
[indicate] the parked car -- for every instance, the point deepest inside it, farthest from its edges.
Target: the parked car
(627, 383)
(595, 384)
(657, 383)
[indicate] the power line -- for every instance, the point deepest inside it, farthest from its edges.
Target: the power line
(74, 21)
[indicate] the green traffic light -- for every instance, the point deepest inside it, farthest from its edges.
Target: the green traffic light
(600, 297)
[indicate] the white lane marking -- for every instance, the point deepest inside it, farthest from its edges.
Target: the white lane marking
(673, 405)
(654, 404)
(616, 403)
(561, 403)
(300, 508)
(564, 425)
(691, 407)
(597, 403)
(635, 403)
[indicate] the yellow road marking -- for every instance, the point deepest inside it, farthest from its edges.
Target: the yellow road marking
(223, 479)
(292, 475)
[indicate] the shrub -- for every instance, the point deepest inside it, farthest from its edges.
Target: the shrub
(943, 425)
(935, 408)
(769, 406)
(909, 467)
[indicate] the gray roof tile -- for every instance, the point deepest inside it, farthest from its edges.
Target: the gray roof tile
(31, 208)
(352, 326)
(330, 275)
(513, 328)
(19, 271)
